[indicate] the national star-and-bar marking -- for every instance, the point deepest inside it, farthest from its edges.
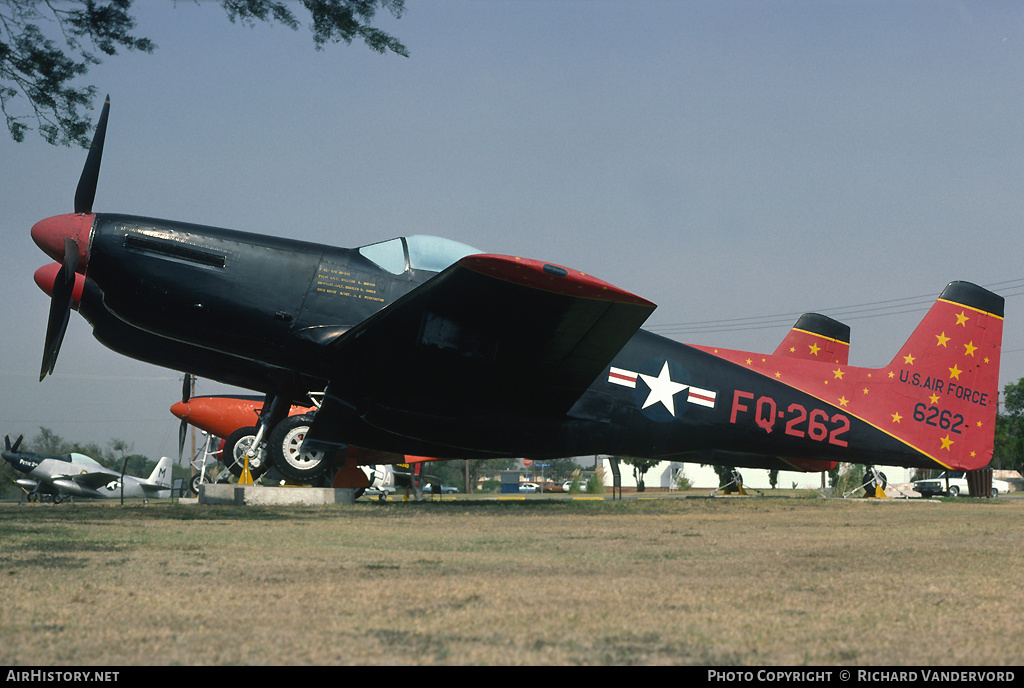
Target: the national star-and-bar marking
(663, 388)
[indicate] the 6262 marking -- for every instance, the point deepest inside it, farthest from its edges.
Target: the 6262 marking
(945, 419)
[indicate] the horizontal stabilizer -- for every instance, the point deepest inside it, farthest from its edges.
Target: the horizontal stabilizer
(817, 337)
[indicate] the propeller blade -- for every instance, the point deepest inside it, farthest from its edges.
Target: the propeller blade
(17, 442)
(70, 265)
(86, 192)
(60, 307)
(64, 283)
(182, 432)
(186, 394)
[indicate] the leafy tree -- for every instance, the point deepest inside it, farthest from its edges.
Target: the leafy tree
(560, 469)
(447, 473)
(43, 69)
(46, 442)
(1009, 431)
(640, 467)
(724, 474)
(845, 477)
(453, 472)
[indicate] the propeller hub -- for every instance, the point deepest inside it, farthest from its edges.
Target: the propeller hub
(181, 410)
(46, 276)
(49, 235)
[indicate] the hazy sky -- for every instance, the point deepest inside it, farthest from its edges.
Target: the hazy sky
(727, 160)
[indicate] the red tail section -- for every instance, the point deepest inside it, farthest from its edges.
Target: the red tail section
(817, 338)
(944, 382)
(937, 399)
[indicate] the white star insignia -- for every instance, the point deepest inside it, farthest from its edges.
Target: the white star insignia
(662, 389)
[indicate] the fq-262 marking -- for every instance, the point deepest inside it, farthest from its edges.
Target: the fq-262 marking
(815, 424)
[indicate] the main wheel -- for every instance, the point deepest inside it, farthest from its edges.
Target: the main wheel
(954, 491)
(235, 446)
(284, 448)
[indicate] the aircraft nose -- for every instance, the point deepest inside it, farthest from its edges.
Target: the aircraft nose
(180, 410)
(47, 275)
(49, 235)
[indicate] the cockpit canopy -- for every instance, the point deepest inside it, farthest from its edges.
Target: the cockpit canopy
(418, 252)
(75, 457)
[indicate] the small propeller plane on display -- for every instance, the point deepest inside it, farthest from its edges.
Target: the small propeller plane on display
(77, 475)
(427, 347)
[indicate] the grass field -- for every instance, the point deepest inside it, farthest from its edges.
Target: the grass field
(726, 581)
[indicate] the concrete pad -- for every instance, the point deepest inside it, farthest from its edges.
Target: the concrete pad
(241, 495)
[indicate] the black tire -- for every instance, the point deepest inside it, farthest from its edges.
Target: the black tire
(994, 493)
(193, 484)
(283, 449)
(954, 491)
(234, 453)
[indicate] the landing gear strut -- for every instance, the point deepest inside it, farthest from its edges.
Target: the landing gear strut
(735, 485)
(875, 483)
(236, 446)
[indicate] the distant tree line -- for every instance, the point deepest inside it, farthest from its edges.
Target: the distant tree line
(1009, 449)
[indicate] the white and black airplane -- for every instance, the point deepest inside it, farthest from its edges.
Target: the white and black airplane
(77, 475)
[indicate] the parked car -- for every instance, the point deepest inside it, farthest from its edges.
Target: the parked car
(529, 487)
(445, 489)
(567, 486)
(957, 485)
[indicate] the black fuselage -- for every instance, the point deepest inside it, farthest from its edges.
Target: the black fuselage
(261, 313)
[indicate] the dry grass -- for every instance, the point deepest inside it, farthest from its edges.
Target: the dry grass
(671, 581)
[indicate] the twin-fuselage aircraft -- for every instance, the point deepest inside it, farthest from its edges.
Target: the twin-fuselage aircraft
(423, 346)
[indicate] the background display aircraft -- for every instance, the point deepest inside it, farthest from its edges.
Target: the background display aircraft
(81, 476)
(426, 347)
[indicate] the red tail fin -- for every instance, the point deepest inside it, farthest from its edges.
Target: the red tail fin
(817, 338)
(945, 379)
